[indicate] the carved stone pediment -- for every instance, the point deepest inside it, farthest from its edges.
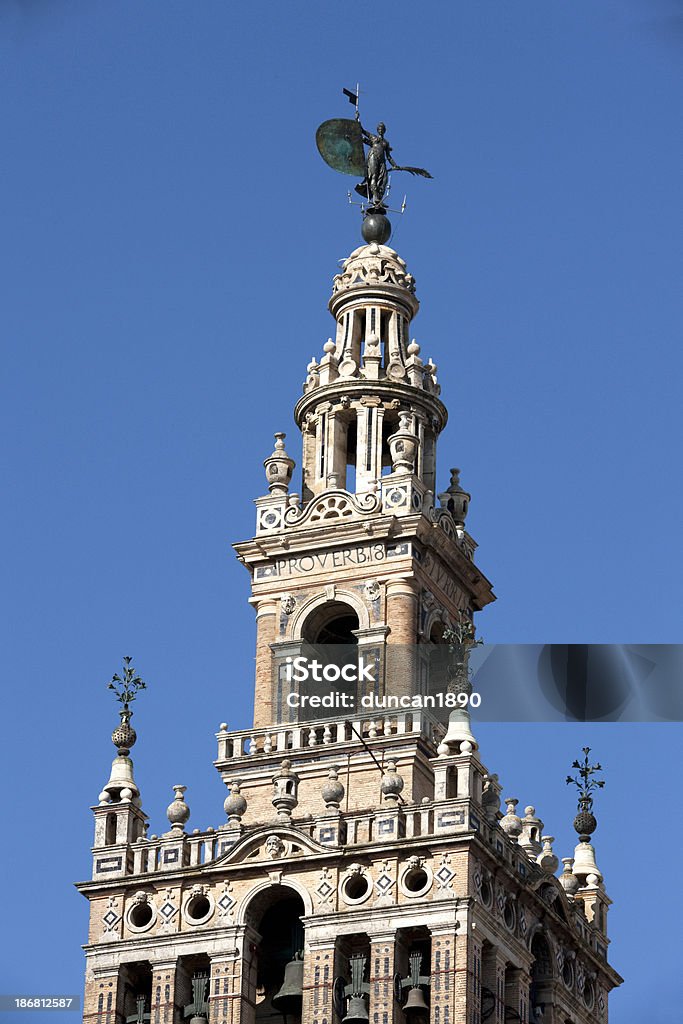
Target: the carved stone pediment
(267, 846)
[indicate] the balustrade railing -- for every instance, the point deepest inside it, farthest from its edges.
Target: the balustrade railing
(286, 738)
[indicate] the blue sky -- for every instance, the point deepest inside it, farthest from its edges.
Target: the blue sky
(169, 238)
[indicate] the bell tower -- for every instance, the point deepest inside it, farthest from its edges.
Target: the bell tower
(362, 871)
(367, 552)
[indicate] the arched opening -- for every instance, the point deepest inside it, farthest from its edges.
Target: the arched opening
(351, 448)
(331, 623)
(353, 962)
(487, 982)
(541, 973)
(137, 990)
(192, 987)
(414, 965)
(436, 632)
(110, 830)
(389, 426)
(276, 915)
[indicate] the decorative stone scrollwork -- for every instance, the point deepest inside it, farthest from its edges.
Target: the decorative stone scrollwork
(446, 524)
(333, 505)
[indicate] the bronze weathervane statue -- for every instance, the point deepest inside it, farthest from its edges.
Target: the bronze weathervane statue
(340, 143)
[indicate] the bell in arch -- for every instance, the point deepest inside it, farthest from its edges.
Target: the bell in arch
(416, 1007)
(198, 1010)
(355, 992)
(357, 1012)
(289, 999)
(415, 1003)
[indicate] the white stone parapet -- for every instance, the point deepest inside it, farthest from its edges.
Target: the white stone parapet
(325, 733)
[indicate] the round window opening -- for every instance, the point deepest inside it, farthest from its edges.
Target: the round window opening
(486, 894)
(509, 915)
(567, 974)
(356, 887)
(588, 995)
(416, 880)
(140, 915)
(198, 908)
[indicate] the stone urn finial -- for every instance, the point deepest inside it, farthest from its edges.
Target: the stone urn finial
(333, 790)
(568, 879)
(490, 797)
(392, 784)
(235, 803)
(177, 812)
(279, 467)
(546, 858)
(403, 445)
(511, 823)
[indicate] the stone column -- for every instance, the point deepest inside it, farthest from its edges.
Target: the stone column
(402, 611)
(517, 983)
(320, 970)
(493, 978)
(401, 653)
(103, 996)
(382, 970)
(232, 980)
(336, 451)
(163, 992)
(363, 471)
(266, 634)
(449, 973)
(308, 463)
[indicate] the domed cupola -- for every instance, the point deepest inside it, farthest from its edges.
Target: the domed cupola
(369, 379)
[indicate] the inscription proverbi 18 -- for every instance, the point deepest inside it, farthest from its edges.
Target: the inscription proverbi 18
(323, 561)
